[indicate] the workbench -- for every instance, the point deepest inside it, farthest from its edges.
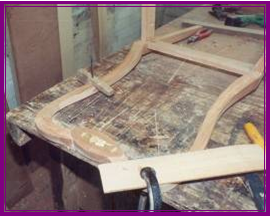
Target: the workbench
(158, 108)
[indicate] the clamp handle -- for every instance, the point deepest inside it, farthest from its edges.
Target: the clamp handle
(153, 188)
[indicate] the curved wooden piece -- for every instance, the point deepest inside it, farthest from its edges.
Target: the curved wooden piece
(236, 91)
(75, 138)
(130, 61)
(70, 138)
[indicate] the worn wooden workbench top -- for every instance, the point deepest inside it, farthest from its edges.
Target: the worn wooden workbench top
(157, 110)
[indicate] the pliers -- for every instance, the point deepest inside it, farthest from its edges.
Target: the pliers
(200, 34)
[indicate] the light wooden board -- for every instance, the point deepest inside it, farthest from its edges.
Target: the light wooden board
(99, 26)
(257, 33)
(178, 35)
(148, 22)
(180, 108)
(203, 58)
(191, 166)
(65, 25)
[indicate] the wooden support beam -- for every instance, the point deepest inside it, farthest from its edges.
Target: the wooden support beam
(184, 167)
(148, 22)
(65, 25)
(176, 36)
(99, 25)
(225, 29)
(203, 58)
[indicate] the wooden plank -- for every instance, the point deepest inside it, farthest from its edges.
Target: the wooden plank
(203, 58)
(99, 25)
(65, 24)
(180, 111)
(185, 167)
(225, 29)
(148, 22)
(34, 37)
(176, 36)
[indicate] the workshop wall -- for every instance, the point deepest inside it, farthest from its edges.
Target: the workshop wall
(123, 27)
(124, 23)
(35, 49)
(83, 36)
(10, 86)
(166, 14)
(11, 81)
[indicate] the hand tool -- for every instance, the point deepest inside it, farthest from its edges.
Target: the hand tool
(244, 20)
(153, 189)
(252, 180)
(200, 34)
(91, 68)
(220, 12)
(254, 134)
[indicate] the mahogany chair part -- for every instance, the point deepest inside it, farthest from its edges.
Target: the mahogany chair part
(69, 137)
(99, 145)
(235, 92)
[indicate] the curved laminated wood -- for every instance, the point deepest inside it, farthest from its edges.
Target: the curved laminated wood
(130, 61)
(69, 138)
(236, 91)
(101, 148)
(99, 145)
(75, 138)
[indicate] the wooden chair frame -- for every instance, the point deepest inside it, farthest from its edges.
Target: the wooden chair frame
(84, 140)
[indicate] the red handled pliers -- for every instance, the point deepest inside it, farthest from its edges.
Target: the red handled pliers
(200, 34)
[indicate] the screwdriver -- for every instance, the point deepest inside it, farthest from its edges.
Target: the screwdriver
(253, 180)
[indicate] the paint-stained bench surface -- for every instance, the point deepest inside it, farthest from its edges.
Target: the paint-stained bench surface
(157, 110)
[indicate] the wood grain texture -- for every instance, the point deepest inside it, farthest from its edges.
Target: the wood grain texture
(34, 37)
(148, 22)
(73, 139)
(257, 33)
(178, 35)
(55, 132)
(203, 58)
(191, 166)
(98, 83)
(180, 107)
(235, 92)
(69, 137)
(98, 14)
(65, 23)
